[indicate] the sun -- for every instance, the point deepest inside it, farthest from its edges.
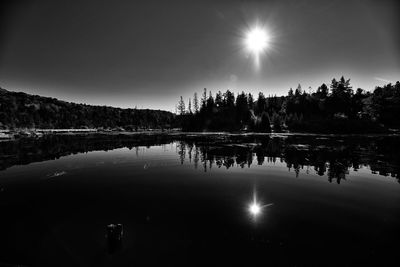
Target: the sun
(254, 209)
(257, 40)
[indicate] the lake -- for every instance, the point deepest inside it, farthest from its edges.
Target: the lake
(200, 199)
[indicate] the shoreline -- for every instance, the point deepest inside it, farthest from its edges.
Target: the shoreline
(10, 135)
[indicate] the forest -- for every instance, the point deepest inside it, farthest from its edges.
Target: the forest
(20, 110)
(332, 108)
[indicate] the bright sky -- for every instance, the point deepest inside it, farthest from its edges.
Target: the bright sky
(147, 54)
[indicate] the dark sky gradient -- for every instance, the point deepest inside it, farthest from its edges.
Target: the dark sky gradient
(148, 53)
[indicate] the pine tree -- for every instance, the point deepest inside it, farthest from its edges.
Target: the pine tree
(229, 99)
(210, 102)
(290, 93)
(195, 103)
(250, 101)
(334, 86)
(218, 99)
(322, 91)
(181, 106)
(298, 91)
(190, 107)
(265, 125)
(261, 103)
(204, 99)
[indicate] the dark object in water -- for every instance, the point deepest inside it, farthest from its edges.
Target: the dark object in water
(114, 237)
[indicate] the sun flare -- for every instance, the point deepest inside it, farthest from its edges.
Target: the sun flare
(254, 209)
(257, 40)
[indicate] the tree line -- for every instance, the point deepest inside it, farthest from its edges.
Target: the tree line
(21, 110)
(332, 108)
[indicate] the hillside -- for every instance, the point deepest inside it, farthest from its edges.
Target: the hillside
(21, 110)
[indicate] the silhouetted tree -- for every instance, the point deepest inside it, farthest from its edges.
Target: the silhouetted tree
(195, 103)
(322, 91)
(341, 94)
(190, 107)
(210, 103)
(298, 91)
(261, 103)
(290, 93)
(265, 125)
(181, 106)
(242, 109)
(250, 101)
(218, 100)
(229, 99)
(204, 100)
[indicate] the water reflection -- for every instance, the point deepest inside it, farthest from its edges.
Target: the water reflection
(197, 215)
(256, 208)
(326, 156)
(330, 156)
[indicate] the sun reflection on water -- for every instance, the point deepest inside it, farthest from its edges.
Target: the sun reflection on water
(256, 208)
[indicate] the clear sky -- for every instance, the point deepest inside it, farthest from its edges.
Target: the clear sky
(148, 53)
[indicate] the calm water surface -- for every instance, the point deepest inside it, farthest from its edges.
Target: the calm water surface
(323, 200)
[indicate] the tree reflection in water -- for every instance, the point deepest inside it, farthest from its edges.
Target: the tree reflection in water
(333, 156)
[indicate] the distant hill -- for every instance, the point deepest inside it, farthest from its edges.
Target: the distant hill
(21, 110)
